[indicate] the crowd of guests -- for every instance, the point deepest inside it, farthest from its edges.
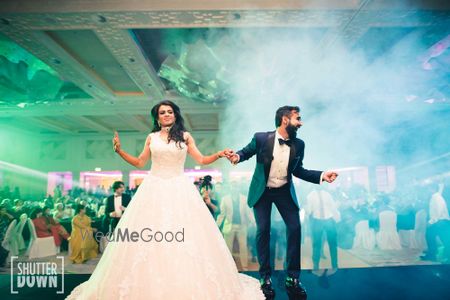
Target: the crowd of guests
(327, 214)
(330, 214)
(66, 217)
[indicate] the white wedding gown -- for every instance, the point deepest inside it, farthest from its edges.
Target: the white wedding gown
(200, 267)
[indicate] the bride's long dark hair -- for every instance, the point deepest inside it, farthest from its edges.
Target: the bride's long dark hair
(177, 130)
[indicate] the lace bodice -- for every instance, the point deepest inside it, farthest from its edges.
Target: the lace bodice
(167, 158)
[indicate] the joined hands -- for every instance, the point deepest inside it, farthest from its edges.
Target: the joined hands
(230, 155)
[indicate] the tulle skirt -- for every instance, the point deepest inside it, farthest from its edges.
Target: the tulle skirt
(167, 246)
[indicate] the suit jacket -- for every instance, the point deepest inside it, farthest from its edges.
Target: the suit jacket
(110, 208)
(262, 145)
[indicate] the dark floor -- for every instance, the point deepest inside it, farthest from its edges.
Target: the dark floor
(412, 282)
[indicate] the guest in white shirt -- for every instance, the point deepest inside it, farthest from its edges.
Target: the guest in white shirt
(69, 211)
(323, 214)
(59, 213)
(438, 206)
(439, 223)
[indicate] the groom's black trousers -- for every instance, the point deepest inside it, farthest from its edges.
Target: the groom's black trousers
(290, 214)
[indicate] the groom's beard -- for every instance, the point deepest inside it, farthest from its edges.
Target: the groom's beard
(291, 131)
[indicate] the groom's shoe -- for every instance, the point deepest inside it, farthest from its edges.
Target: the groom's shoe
(267, 288)
(295, 289)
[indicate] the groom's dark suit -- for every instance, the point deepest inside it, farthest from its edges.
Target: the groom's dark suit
(261, 197)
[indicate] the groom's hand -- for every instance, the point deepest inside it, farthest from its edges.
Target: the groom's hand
(234, 159)
(228, 153)
(231, 156)
(329, 176)
(225, 153)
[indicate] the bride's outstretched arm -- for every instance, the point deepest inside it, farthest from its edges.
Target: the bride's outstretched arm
(138, 162)
(197, 155)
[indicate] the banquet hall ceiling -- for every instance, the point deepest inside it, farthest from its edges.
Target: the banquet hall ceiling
(89, 67)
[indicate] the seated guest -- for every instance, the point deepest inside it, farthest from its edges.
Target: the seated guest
(7, 204)
(82, 243)
(5, 214)
(44, 228)
(69, 211)
(18, 208)
(59, 213)
(40, 224)
(58, 231)
(89, 211)
(101, 211)
(48, 202)
(5, 219)
(115, 206)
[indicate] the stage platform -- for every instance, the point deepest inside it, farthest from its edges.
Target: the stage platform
(406, 282)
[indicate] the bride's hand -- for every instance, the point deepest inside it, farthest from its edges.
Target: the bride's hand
(226, 153)
(116, 142)
(222, 153)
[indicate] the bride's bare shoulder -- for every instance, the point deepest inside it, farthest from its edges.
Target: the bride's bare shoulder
(149, 137)
(186, 135)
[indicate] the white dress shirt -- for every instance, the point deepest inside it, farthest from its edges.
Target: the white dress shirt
(438, 209)
(278, 170)
(118, 205)
(321, 205)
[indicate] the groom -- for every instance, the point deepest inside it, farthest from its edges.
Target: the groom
(279, 155)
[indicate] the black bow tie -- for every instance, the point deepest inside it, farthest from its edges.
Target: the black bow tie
(285, 142)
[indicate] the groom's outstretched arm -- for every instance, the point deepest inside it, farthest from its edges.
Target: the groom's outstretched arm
(248, 151)
(312, 176)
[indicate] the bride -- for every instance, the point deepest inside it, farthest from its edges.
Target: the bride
(167, 245)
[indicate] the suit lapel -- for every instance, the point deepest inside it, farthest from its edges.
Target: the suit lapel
(268, 153)
(292, 154)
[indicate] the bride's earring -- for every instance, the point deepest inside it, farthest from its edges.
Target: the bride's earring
(159, 124)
